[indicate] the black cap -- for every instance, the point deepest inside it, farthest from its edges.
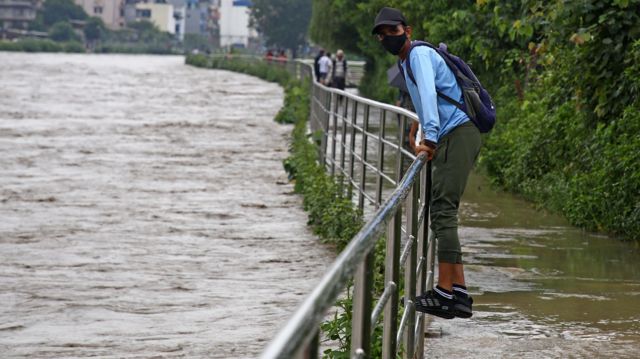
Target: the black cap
(388, 16)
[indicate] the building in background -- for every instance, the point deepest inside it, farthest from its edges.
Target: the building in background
(235, 29)
(160, 14)
(17, 14)
(197, 17)
(110, 11)
(166, 15)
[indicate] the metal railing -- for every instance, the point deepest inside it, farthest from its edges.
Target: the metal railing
(363, 142)
(296, 67)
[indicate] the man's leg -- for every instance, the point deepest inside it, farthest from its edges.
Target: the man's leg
(454, 159)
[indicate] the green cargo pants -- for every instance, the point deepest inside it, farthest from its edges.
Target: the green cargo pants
(455, 156)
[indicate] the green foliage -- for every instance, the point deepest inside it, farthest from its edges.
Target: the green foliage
(564, 76)
(54, 11)
(63, 31)
(94, 29)
(139, 37)
(37, 45)
(196, 41)
(283, 22)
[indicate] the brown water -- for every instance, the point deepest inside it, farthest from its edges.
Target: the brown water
(144, 211)
(542, 289)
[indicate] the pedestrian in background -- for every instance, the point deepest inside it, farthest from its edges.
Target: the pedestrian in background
(324, 67)
(339, 73)
(316, 62)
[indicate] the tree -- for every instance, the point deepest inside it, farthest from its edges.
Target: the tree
(94, 29)
(63, 31)
(284, 23)
(54, 11)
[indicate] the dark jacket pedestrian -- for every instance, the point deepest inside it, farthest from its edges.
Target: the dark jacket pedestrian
(339, 71)
(316, 66)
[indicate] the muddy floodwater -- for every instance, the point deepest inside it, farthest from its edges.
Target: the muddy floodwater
(144, 211)
(542, 289)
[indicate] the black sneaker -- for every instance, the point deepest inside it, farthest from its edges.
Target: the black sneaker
(433, 303)
(462, 308)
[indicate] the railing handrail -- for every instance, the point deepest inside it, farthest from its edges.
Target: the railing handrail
(366, 101)
(311, 312)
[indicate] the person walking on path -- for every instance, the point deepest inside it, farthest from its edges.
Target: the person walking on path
(324, 67)
(339, 73)
(316, 64)
(452, 142)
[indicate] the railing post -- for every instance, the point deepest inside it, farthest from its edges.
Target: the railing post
(334, 116)
(412, 235)
(343, 132)
(354, 118)
(326, 103)
(363, 167)
(420, 192)
(381, 133)
(430, 252)
(311, 351)
(362, 303)
(392, 274)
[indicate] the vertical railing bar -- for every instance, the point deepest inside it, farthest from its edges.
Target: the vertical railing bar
(343, 133)
(312, 349)
(427, 223)
(354, 117)
(363, 158)
(405, 327)
(334, 116)
(392, 274)
(380, 164)
(410, 265)
(325, 132)
(362, 303)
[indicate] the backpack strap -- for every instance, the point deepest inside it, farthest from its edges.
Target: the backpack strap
(413, 78)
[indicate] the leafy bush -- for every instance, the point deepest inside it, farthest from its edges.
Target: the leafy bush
(564, 76)
(63, 31)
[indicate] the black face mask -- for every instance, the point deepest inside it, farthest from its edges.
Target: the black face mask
(394, 44)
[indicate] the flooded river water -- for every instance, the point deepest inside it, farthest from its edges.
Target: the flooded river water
(542, 289)
(144, 211)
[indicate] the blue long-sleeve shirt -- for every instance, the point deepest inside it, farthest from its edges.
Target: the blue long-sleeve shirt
(437, 116)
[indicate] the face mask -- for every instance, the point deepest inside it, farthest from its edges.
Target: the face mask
(394, 44)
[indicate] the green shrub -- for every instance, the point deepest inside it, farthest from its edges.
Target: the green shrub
(9, 46)
(73, 46)
(63, 31)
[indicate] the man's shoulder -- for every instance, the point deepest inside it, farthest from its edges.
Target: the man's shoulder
(422, 50)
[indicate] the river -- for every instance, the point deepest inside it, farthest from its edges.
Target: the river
(144, 210)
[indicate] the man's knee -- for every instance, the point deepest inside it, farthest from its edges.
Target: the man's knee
(445, 226)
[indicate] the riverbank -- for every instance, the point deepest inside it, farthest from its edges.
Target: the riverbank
(49, 46)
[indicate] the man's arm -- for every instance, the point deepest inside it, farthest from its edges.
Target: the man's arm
(412, 134)
(423, 71)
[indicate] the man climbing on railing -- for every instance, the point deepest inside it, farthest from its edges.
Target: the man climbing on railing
(451, 141)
